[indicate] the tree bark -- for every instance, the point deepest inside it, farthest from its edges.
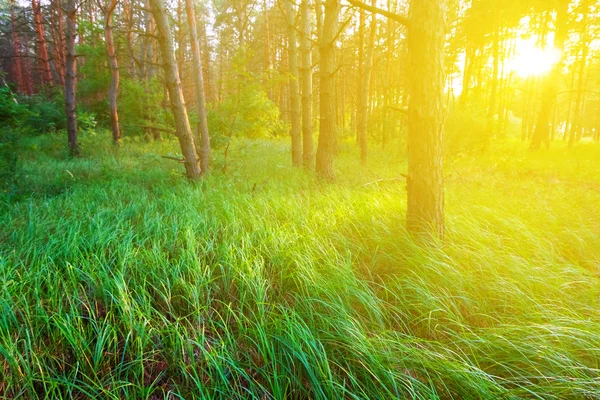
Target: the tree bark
(363, 105)
(17, 65)
(182, 123)
(201, 126)
(70, 78)
(41, 38)
(326, 146)
(425, 182)
(293, 83)
(113, 92)
(306, 82)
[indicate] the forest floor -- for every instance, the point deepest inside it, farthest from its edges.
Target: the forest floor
(122, 280)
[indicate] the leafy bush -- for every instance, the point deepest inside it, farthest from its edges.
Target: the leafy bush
(47, 112)
(248, 114)
(466, 131)
(12, 115)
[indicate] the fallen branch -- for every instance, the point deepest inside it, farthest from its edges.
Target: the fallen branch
(180, 160)
(378, 181)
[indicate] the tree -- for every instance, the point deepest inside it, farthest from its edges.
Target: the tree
(201, 125)
(550, 90)
(182, 123)
(41, 38)
(363, 95)
(306, 82)
(114, 69)
(293, 82)
(327, 126)
(70, 79)
(425, 180)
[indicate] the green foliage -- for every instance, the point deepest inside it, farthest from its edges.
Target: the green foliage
(121, 280)
(12, 115)
(466, 131)
(248, 114)
(140, 104)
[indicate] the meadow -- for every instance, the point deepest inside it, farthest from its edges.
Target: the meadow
(120, 279)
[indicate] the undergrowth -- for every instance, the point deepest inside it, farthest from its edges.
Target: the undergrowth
(122, 280)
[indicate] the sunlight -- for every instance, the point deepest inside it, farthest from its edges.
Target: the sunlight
(531, 60)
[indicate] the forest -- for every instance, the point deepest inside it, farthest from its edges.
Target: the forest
(300, 199)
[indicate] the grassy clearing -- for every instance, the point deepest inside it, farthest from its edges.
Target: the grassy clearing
(121, 280)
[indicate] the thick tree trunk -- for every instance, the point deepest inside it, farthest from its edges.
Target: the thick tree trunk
(425, 182)
(41, 38)
(326, 146)
(542, 132)
(182, 123)
(201, 126)
(306, 81)
(114, 69)
(70, 78)
(363, 106)
(293, 82)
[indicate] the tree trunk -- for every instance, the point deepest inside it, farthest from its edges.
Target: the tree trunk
(326, 146)
(114, 69)
(70, 78)
(306, 81)
(293, 83)
(41, 37)
(182, 123)
(363, 106)
(201, 126)
(17, 67)
(425, 182)
(542, 129)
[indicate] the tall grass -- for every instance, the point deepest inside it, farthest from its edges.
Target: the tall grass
(121, 280)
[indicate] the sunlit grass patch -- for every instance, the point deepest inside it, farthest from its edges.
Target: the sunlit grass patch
(120, 279)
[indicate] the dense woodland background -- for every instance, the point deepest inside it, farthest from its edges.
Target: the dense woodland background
(274, 199)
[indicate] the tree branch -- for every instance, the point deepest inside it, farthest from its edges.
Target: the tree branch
(393, 16)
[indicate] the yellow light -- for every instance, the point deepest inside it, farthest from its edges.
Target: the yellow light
(531, 60)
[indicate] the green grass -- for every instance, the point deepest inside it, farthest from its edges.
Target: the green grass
(121, 280)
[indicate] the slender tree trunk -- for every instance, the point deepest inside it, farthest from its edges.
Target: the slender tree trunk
(425, 182)
(365, 86)
(201, 125)
(17, 65)
(41, 38)
(293, 83)
(327, 139)
(542, 129)
(306, 80)
(128, 11)
(70, 78)
(182, 123)
(113, 92)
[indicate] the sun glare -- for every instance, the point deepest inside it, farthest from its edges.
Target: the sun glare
(531, 60)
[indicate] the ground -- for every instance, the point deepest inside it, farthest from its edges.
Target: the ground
(122, 280)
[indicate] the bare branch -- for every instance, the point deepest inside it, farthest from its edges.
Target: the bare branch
(391, 15)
